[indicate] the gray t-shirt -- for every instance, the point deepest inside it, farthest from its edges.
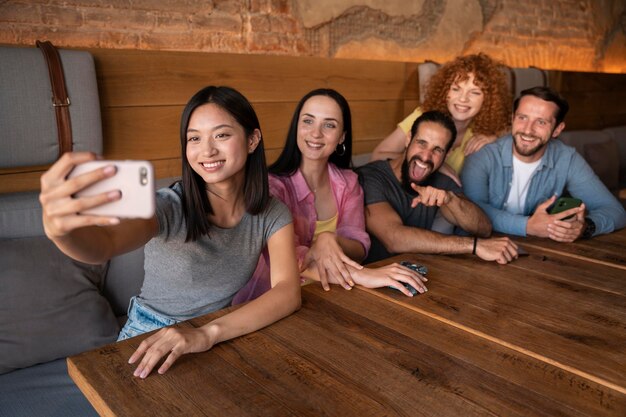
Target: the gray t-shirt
(185, 280)
(381, 185)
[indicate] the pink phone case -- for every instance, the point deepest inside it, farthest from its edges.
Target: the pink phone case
(135, 179)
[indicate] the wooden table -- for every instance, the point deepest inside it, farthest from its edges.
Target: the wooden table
(605, 249)
(543, 336)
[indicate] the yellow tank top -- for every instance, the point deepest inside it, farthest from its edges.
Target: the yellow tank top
(322, 226)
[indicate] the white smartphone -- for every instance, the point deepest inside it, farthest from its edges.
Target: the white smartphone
(134, 179)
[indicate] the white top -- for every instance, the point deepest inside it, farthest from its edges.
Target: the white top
(522, 174)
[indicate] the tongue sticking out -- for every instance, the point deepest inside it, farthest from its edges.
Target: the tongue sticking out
(419, 170)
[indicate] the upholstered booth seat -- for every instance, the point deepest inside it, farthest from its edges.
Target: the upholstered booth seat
(50, 305)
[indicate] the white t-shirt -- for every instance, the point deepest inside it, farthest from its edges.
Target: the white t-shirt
(522, 174)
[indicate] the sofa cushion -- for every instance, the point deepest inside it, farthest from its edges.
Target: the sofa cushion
(603, 157)
(20, 215)
(618, 133)
(42, 390)
(123, 280)
(592, 144)
(26, 110)
(50, 305)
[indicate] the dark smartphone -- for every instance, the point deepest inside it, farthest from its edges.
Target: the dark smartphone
(420, 269)
(565, 203)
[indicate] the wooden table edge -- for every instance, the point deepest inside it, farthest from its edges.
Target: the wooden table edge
(91, 395)
(573, 255)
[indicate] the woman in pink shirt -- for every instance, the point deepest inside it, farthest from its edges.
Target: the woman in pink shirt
(312, 176)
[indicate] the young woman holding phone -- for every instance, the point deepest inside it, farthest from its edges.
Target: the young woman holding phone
(198, 246)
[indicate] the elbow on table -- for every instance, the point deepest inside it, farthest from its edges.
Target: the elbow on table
(295, 301)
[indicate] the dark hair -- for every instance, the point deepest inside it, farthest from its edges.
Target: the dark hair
(289, 159)
(196, 204)
(438, 117)
(546, 94)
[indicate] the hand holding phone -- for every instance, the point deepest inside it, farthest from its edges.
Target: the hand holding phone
(420, 269)
(565, 203)
(134, 180)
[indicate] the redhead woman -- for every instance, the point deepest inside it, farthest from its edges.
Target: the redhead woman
(472, 90)
(312, 177)
(203, 242)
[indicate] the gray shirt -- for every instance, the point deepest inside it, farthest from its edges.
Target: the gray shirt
(381, 185)
(188, 279)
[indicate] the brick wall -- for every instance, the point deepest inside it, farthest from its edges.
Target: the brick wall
(187, 25)
(584, 35)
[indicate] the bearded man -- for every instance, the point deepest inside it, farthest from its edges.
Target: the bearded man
(404, 195)
(517, 179)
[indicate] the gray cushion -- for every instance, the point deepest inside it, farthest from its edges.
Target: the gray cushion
(42, 390)
(603, 158)
(26, 111)
(527, 78)
(618, 133)
(50, 305)
(591, 144)
(20, 215)
(124, 280)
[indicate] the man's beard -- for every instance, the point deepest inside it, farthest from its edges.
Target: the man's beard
(528, 151)
(406, 178)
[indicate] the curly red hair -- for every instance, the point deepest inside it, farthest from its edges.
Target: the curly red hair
(494, 117)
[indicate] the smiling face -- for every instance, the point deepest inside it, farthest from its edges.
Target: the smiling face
(217, 147)
(426, 152)
(320, 128)
(534, 124)
(465, 99)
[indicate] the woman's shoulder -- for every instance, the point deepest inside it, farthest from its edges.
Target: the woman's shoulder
(276, 208)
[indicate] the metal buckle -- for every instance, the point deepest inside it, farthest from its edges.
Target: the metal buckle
(55, 104)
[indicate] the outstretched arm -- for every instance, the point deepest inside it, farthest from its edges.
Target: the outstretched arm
(476, 142)
(455, 208)
(391, 147)
(390, 275)
(383, 221)
(80, 236)
(602, 207)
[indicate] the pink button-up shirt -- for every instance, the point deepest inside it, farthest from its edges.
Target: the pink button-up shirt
(295, 193)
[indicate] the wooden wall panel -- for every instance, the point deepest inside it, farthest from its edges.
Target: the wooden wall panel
(152, 132)
(138, 78)
(596, 100)
(593, 109)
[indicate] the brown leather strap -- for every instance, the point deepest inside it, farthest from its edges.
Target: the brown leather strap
(60, 99)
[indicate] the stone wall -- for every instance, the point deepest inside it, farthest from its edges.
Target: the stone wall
(582, 35)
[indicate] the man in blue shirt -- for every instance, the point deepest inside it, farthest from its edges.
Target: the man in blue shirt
(516, 179)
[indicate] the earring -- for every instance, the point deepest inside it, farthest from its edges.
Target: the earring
(343, 149)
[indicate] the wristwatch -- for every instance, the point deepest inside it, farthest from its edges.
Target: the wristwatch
(590, 228)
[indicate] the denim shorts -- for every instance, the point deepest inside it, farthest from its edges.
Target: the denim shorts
(142, 319)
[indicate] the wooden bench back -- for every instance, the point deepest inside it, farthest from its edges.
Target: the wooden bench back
(142, 95)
